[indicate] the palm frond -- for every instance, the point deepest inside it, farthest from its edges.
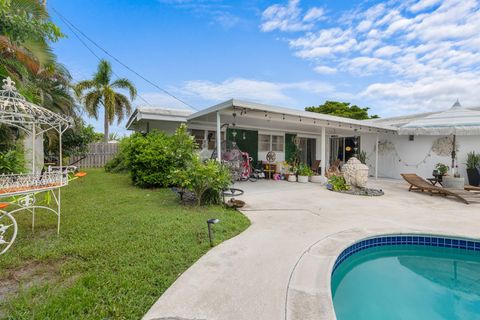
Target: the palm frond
(109, 103)
(124, 83)
(122, 106)
(81, 86)
(104, 73)
(92, 102)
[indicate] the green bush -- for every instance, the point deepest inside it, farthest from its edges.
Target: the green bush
(442, 168)
(117, 164)
(205, 180)
(12, 161)
(304, 170)
(338, 183)
(152, 159)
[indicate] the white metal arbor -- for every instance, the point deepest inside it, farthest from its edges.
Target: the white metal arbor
(20, 190)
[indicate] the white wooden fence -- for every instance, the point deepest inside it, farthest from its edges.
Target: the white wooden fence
(97, 155)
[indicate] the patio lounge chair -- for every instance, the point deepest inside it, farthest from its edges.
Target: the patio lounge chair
(316, 166)
(419, 184)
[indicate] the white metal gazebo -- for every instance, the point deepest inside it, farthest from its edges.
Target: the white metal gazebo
(20, 190)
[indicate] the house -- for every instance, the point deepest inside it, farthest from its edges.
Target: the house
(259, 128)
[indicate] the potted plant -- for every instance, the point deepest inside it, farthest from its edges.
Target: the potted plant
(473, 165)
(291, 176)
(442, 170)
(303, 173)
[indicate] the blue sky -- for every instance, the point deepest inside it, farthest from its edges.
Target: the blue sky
(395, 57)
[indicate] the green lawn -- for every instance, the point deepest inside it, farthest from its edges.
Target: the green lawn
(119, 249)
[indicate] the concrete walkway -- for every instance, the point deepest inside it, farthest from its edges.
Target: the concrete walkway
(267, 272)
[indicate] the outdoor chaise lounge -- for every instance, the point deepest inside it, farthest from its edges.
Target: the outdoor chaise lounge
(419, 184)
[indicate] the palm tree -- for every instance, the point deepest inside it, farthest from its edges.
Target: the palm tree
(100, 92)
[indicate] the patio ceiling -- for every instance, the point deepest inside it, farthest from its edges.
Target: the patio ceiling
(259, 116)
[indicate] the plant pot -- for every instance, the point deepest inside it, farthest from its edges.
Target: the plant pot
(292, 178)
(473, 177)
(318, 179)
(303, 179)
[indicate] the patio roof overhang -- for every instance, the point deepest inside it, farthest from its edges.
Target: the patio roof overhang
(260, 116)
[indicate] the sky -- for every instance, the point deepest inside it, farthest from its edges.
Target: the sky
(395, 57)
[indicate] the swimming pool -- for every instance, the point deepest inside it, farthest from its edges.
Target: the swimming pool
(408, 277)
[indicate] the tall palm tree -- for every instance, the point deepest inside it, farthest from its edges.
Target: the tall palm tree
(100, 92)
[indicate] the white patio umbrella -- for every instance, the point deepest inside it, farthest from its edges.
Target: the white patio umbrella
(455, 121)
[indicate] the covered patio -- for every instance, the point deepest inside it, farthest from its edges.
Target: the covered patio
(259, 128)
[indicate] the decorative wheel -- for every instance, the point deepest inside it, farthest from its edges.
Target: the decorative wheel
(8, 231)
(271, 156)
(232, 192)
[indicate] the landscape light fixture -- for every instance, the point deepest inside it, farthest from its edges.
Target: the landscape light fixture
(210, 232)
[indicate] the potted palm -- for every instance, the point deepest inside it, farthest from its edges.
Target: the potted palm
(473, 165)
(303, 173)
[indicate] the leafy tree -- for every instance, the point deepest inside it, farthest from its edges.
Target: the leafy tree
(342, 109)
(100, 92)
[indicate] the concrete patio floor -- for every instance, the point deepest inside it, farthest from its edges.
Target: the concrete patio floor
(279, 267)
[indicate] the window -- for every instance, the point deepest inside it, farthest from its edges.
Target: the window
(277, 143)
(263, 142)
(199, 136)
(212, 138)
(268, 142)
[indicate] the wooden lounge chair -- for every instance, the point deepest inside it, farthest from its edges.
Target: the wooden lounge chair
(316, 166)
(419, 184)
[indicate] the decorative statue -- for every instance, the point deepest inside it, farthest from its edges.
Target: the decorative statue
(355, 173)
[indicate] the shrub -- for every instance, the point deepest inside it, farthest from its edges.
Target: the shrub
(206, 180)
(152, 159)
(117, 164)
(473, 160)
(338, 183)
(12, 161)
(304, 170)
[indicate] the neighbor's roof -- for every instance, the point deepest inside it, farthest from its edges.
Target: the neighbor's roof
(288, 112)
(157, 113)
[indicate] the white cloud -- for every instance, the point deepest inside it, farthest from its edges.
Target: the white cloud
(289, 17)
(257, 90)
(314, 14)
(423, 4)
(325, 70)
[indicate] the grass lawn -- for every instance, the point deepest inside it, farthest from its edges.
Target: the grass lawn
(119, 249)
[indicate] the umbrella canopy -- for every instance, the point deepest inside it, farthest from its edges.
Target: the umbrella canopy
(457, 120)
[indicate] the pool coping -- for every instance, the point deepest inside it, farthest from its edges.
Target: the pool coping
(309, 293)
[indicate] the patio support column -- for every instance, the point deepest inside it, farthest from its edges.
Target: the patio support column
(219, 138)
(323, 155)
(376, 157)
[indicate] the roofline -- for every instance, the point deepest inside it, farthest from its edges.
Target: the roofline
(286, 111)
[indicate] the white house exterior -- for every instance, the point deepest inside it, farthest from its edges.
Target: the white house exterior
(259, 128)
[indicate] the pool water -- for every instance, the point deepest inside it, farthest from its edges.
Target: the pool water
(408, 282)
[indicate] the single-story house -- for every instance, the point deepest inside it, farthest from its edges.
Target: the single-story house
(259, 128)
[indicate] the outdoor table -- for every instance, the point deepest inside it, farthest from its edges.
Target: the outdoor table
(435, 180)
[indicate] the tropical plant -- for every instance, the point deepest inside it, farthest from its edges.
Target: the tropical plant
(202, 178)
(12, 161)
(337, 183)
(152, 159)
(304, 170)
(442, 168)
(342, 109)
(100, 92)
(473, 160)
(362, 156)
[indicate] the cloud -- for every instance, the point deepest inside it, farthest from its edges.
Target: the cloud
(412, 51)
(325, 70)
(257, 90)
(288, 17)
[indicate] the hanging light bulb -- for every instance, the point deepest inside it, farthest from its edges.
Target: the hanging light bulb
(283, 117)
(244, 137)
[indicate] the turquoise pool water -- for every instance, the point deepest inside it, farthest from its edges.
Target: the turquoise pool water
(408, 282)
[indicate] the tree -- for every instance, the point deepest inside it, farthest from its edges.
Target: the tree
(100, 92)
(342, 109)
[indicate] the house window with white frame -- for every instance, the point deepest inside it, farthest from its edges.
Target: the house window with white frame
(267, 142)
